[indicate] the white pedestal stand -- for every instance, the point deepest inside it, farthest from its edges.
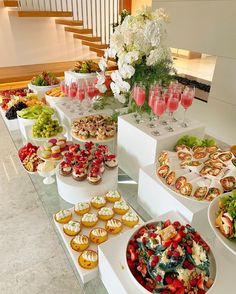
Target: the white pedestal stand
(156, 199)
(137, 147)
(73, 191)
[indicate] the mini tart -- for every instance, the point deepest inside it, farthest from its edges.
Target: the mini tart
(82, 207)
(88, 259)
(120, 207)
(72, 228)
(114, 226)
(98, 235)
(105, 213)
(65, 168)
(63, 216)
(98, 202)
(89, 219)
(130, 219)
(79, 243)
(111, 161)
(113, 196)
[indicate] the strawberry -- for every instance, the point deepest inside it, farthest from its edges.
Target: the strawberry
(171, 288)
(175, 245)
(180, 291)
(178, 237)
(150, 252)
(168, 280)
(193, 282)
(176, 254)
(177, 283)
(158, 278)
(200, 284)
(166, 243)
(189, 250)
(167, 223)
(176, 224)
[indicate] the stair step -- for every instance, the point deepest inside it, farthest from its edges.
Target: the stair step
(78, 31)
(21, 13)
(68, 22)
(95, 45)
(99, 52)
(87, 38)
(8, 3)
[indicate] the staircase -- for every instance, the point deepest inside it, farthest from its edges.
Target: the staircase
(90, 21)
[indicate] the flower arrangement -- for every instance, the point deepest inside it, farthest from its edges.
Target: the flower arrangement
(138, 44)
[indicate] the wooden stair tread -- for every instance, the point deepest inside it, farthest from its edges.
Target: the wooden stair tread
(68, 22)
(87, 38)
(99, 52)
(26, 13)
(8, 3)
(95, 45)
(78, 30)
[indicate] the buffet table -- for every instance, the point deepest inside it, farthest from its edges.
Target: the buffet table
(137, 147)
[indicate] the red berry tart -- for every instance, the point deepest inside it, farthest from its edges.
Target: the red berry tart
(111, 161)
(94, 176)
(65, 168)
(79, 172)
(74, 149)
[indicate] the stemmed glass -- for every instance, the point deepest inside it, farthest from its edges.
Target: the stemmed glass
(72, 90)
(186, 102)
(91, 91)
(158, 108)
(172, 105)
(80, 95)
(154, 93)
(139, 95)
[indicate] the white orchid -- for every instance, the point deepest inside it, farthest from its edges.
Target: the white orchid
(127, 71)
(131, 57)
(102, 88)
(116, 76)
(115, 88)
(102, 64)
(124, 86)
(121, 98)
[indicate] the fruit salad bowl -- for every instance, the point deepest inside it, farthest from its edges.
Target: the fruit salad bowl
(170, 257)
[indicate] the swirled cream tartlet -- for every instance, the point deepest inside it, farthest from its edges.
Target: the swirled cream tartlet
(113, 226)
(89, 219)
(72, 228)
(120, 207)
(105, 213)
(63, 216)
(88, 259)
(98, 202)
(79, 243)
(130, 219)
(113, 196)
(81, 208)
(98, 235)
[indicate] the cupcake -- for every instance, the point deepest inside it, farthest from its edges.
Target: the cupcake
(63, 216)
(79, 172)
(130, 219)
(89, 146)
(79, 243)
(113, 196)
(98, 154)
(81, 159)
(98, 235)
(65, 168)
(94, 176)
(98, 202)
(82, 208)
(120, 207)
(74, 149)
(46, 154)
(105, 213)
(88, 259)
(47, 146)
(114, 226)
(89, 219)
(111, 161)
(103, 148)
(99, 163)
(69, 157)
(72, 228)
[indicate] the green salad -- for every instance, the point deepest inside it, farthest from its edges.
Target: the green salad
(192, 141)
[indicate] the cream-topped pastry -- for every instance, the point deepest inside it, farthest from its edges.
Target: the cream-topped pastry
(98, 201)
(72, 228)
(98, 235)
(89, 219)
(81, 239)
(130, 219)
(63, 216)
(120, 207)
(82, 208)
(79, 243)
(113, 196)
(105, 213)
(113, 226)
(88, 259)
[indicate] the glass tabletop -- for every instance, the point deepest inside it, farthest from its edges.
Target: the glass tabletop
(52, 203)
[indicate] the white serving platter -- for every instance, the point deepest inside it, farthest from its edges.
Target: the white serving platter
(212, 214)
(87, 275)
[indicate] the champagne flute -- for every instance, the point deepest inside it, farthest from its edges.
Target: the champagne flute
(172, 106)
(72, 90)
(159, 107)
(186, 102)
(80, 95)
(153, 94)
(139, 96)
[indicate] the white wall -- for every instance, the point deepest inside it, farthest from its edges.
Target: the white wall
(36, 40)
(208, 26)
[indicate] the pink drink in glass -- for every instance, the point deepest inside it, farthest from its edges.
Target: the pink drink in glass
(172, 104)
(151, 98)
(80, 94)
(72, 92)
(139, 96)
(166, 97)
(66, 91)
(159, 107)
(62, 86)
(186, 100)
(91, 92)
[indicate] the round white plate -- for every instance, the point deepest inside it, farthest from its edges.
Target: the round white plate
(212, 214)
(212, 261)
